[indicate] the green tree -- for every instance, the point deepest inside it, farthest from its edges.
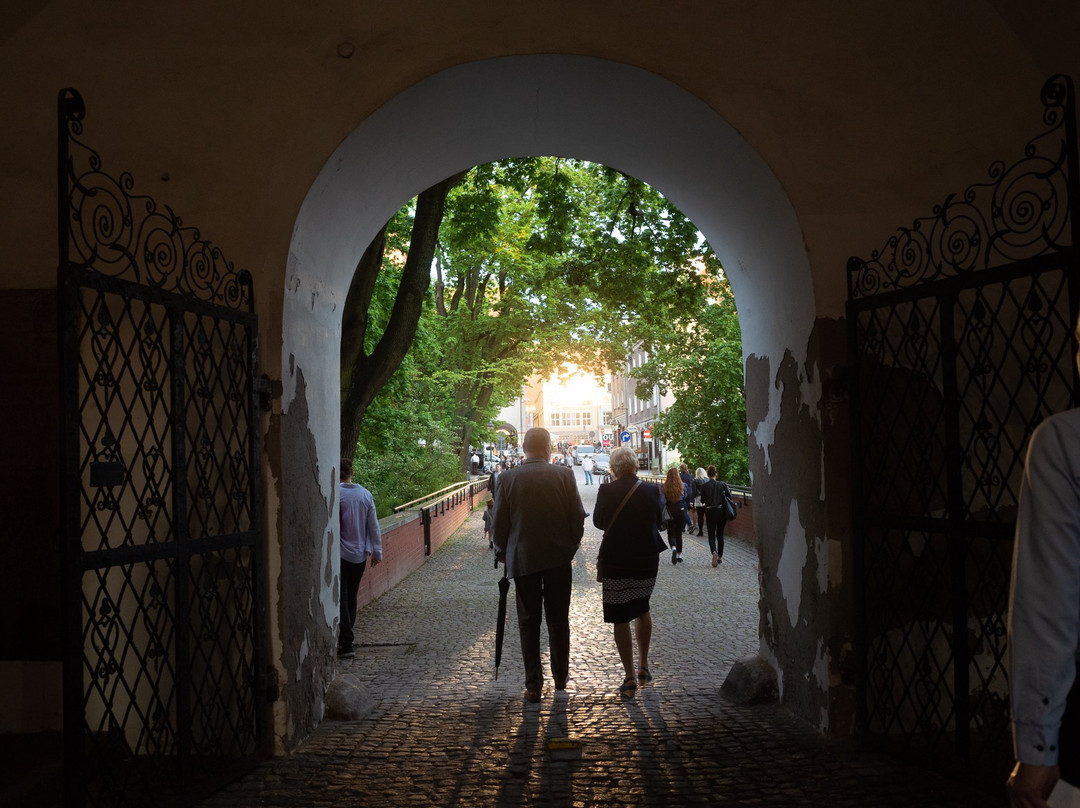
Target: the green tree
(370, 356)
(702, 367)
(538, 262)
(546, 261)
(404, 447)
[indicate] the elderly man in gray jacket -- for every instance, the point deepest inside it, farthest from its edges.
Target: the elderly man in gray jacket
(539, 522)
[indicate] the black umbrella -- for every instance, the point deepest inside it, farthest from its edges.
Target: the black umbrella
(500, 623)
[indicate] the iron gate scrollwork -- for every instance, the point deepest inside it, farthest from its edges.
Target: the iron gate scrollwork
(961, 330)
(165, 571)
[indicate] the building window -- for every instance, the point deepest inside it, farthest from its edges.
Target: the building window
(571, 418)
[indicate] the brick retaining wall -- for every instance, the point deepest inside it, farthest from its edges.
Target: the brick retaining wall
(403, 546)
(743, 526)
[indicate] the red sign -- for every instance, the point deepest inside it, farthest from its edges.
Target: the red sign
(607, 443)
(646, 433)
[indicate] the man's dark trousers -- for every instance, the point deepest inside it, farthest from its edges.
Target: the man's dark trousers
(350, 584)
(548, 590)
(714, 521)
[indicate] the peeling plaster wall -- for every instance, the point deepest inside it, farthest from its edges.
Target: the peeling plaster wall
(799, 466)
(308, 583)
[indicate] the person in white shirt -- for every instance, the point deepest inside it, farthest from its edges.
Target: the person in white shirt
(1044, 618)
(587, 467)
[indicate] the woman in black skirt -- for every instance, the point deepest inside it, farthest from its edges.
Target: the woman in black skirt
(630, 513)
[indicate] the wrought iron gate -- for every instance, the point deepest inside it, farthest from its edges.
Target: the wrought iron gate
(165, 647)
(961, 331)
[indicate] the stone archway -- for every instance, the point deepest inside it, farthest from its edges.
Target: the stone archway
(508, 433)
(538, 105)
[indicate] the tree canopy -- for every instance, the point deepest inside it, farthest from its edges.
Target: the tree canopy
(703, 368)
(537, 262)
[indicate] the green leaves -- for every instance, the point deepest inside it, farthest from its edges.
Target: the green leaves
(703, 368)
(541, 262)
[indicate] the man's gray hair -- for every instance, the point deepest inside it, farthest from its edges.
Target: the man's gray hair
(623, 461)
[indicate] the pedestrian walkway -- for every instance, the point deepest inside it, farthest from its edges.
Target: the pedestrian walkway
(444, 732)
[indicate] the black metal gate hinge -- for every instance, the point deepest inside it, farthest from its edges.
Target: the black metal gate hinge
(264, 389)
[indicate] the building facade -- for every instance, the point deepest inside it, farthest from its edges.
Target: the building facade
(571, 404)
(639, 414)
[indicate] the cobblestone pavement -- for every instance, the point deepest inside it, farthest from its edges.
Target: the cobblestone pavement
(444, 732)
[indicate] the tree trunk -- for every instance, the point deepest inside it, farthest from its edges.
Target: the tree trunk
(468, 410)
(365, 375)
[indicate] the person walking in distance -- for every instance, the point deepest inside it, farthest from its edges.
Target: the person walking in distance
(360, 540)
(688, 500)
(700, 478)
(489, 522)
(539, 522)
(587, 467)
(713, 495)
(675, 502)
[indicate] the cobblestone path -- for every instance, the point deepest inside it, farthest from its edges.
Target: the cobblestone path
(444, 732)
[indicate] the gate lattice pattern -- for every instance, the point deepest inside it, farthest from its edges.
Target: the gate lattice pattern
(961, 328)
(164, 567)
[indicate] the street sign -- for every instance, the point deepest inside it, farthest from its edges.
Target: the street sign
(646, 433)
(624, 437)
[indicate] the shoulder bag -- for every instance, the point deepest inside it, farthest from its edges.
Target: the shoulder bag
(731, 509)
(614, 516)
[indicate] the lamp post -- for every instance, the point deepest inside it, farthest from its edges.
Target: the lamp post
(660, 393)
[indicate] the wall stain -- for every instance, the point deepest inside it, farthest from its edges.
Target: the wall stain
(800, 495)
(307, 641)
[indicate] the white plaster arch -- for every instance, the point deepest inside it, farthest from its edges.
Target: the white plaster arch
(467, 115)
(572, 106)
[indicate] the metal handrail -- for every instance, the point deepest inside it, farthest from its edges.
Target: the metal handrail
(453, 488)
(744, 492)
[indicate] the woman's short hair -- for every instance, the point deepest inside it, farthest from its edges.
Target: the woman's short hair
(700, 472)
(623, 461)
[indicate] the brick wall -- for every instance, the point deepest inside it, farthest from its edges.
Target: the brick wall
(743, 526)
(403, 546)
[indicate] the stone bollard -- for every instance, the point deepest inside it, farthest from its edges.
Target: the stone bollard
(346, 699)
(750, 681)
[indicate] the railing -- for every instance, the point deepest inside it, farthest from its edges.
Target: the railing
(439, 502)
(741, 492)
(453, 489)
